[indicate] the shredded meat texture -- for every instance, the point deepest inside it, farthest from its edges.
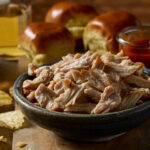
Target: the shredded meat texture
(44, 77)
(60, 102)
(121, 64)
(31, 96)
(88, 83)
(44, 95)
(110, 100)
(131, 99)
(139, 81)
(93, 94)
(31, 69)
(80, 108)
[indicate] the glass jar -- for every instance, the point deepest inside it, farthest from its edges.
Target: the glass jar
(15, 15)
(135, 43)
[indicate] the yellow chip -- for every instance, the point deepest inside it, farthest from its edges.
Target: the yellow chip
(12, 120)
(5, 85)
(21, 144)
(5, 99)
(3, 139)
(11, 91)
(11, 51)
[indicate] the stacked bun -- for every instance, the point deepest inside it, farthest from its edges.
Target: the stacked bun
(74, 16)
(100, 33)
(46, 42)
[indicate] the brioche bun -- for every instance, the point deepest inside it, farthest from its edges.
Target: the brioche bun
(74, 16)
(100, 33)
(46, 42)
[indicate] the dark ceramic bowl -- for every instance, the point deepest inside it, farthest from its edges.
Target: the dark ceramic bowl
(83, 127)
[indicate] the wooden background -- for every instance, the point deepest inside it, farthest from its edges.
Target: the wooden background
(140, 8)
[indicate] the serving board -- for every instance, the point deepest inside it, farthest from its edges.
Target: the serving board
(38, 138)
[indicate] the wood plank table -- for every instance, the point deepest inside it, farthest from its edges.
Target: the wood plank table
(41, 139)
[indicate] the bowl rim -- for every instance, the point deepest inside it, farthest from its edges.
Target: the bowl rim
(21, 99)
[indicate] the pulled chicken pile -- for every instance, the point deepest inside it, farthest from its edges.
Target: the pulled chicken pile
(88, 83)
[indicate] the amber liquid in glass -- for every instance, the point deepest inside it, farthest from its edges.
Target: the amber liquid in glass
(12, 23)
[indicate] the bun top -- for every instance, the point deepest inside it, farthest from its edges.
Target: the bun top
(37, 36)
(114, 21)
(62, 12)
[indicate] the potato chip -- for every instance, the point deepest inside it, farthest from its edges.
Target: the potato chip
(12, 120)
(5, 85)
(5, 99)
(21, 144)
(11, 91)
(3, 139)
(11, 51)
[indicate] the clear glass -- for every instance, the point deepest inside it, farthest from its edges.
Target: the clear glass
(135, 42)
(14, 17)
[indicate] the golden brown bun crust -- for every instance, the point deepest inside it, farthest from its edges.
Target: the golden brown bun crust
(37, 37)
(111, 23)
(61, 12)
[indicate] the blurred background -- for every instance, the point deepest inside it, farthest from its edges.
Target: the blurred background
(140, 8)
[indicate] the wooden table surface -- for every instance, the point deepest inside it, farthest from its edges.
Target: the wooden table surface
(137, 139)
(38, 138)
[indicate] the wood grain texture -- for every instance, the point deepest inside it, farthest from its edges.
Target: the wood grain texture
(40, 139)
(8, 134)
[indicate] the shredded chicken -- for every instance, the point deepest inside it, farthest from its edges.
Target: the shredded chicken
(81, 108)
(138, 81)
(59, 102)
(121, 64)
(31, 96)
(93, 94)
(78, 96)
(44, 95)
(88, 83)
(31, 69)
(44, 77)
(110, 100)
(132, 98)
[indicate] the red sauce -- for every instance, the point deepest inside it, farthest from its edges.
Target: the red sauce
(139, 52)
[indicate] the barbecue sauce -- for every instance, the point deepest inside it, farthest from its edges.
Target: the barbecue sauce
(139, 51)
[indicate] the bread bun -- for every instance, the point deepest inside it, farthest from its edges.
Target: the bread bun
(46, 42)
(74, 16)
(100, 33)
